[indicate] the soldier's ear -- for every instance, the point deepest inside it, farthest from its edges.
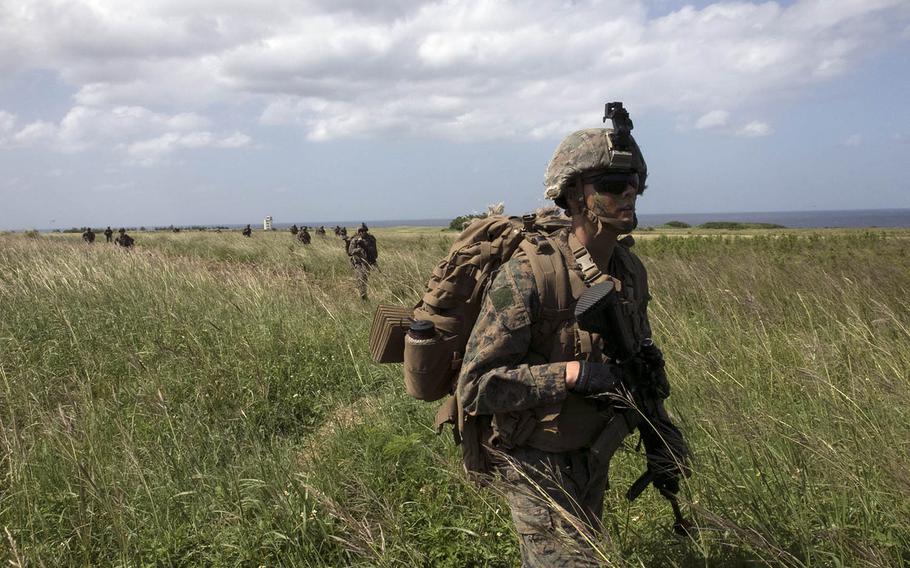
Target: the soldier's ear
(575, 196)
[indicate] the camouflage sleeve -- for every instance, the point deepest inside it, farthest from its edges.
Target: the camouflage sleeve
(496, 376)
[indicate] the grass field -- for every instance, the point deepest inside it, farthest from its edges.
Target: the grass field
(208, 400)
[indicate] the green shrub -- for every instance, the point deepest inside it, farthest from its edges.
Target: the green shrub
(459, 223)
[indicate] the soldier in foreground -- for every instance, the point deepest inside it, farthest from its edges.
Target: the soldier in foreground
(363, 255)
(547, 398)
(124, 240)
(108, 234)
(89, 235)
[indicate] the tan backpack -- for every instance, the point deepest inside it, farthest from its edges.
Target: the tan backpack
(432, 354)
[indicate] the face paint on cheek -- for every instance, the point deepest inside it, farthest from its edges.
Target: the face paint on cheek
(601, 210)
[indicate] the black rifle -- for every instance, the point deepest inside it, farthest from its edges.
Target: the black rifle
(600, 310)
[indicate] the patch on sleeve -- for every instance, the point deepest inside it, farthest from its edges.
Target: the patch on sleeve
(502, 298)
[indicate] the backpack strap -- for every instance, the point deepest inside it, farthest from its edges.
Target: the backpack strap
(550, 275)
(592, 274)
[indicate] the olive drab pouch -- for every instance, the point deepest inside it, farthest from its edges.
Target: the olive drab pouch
(446, 313)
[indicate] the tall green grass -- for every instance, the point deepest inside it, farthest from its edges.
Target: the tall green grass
(208, 400)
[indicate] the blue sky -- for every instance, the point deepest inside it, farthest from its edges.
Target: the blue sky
(213, 111)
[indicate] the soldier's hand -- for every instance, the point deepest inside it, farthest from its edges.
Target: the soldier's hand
(598, 379)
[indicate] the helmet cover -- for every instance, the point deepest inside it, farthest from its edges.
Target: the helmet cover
(587, 150)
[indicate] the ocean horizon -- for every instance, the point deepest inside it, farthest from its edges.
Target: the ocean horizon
(871, 218)
(863, 218)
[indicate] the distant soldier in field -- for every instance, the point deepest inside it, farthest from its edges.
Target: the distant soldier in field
(343, 233)
(89, 235)
(337, 231)
(247, 231)
(294, 229)
(363, 255)
(304, 236)
(321, 231)
(108, 234)
(124, 239)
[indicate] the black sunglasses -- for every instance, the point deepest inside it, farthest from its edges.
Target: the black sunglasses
(613, 182)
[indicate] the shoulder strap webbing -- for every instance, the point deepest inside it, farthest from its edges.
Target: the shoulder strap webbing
(592, 274)
(550, 275)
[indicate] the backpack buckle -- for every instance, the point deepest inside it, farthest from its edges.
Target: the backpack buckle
(542, 243)
(528, 220)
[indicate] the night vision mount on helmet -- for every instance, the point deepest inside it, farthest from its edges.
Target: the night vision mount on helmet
(610, 149)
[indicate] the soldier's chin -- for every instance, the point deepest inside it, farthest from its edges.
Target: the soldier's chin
(627, 221)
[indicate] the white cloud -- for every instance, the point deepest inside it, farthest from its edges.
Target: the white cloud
(144, 136)
(854, 140)
(457, 70)
(235, 140)
(7, 122)
(152, 151)
(755, 129)
(713, 119)
(36, 132)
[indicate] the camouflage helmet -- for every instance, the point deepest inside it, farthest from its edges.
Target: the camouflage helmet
(586, 150)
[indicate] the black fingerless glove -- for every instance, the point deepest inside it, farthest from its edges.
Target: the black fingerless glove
(595, 379)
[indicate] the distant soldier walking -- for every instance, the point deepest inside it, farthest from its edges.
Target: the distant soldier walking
(304, 236)
(294, 229)
(108, 234)
(124, 239)
(363, 255)
(321, 231)
(247, 231)
(89, 235)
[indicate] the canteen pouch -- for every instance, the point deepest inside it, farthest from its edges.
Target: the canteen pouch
(430, 366)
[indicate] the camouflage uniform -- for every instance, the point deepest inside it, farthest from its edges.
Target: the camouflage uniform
(550, 446)
(361, 252)
(124, 239)
(108, 235)
(532, 431)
